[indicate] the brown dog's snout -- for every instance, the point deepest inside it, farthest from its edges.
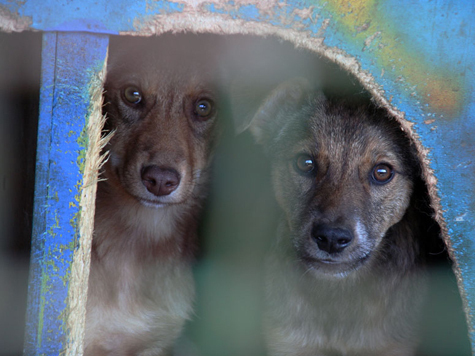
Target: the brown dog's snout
(160, 181)
(331, 239)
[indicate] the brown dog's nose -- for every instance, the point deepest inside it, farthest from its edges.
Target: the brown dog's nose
(160, 181)
(331, 239)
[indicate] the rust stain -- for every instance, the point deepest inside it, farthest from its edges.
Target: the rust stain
(444, 95)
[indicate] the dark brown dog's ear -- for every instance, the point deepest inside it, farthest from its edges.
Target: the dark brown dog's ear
(282, 101)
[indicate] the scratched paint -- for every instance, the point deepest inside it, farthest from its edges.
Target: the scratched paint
(68, 64)
(89, 16)
(376, 28)
(363, 26)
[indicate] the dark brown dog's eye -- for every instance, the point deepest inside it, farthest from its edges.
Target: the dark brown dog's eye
(304, 164)
(132, 95)
(203, 108)
(382, 173)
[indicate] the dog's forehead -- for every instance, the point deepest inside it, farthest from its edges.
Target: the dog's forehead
(164, 81)
(341, 133)
(159, 67)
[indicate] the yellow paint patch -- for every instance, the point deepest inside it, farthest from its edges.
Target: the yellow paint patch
(362, 22)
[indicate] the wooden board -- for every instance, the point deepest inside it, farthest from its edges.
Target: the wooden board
(71, 69)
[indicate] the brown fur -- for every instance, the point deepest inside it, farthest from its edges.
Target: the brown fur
(141, 287)
(366, 298)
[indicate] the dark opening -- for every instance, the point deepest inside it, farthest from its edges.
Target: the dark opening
(20, 62)
(240, 217)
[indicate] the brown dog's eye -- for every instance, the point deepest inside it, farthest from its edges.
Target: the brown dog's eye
(382, 173)
(132, 95)
(304, 164)
(203, 108)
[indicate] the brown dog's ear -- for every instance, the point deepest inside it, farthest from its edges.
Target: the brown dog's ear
(282, 101)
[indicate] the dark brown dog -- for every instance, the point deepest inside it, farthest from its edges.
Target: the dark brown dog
(160, 100)
(347, 275)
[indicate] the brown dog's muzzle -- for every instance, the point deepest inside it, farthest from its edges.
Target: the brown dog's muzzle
(160, 181)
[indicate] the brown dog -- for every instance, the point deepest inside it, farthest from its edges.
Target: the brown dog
(346, 276)
(161, 107)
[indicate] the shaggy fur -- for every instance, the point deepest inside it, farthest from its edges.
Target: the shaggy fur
(361, 293)
(141, 287)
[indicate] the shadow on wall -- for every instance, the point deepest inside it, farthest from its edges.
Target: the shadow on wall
(20, 60)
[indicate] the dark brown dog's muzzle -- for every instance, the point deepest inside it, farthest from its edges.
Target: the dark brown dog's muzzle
(331, 239)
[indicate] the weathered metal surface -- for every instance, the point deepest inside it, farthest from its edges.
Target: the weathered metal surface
(415, 57)
(70, 63)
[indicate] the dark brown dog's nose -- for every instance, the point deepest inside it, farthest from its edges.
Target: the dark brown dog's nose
(331, 239)
(160, 181)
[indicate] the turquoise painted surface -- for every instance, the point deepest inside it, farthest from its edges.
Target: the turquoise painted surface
(69, 62)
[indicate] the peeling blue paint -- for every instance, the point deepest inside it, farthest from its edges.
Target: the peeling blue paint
(163, 7)
(69, 62)
(109, 17)
(250, 12)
